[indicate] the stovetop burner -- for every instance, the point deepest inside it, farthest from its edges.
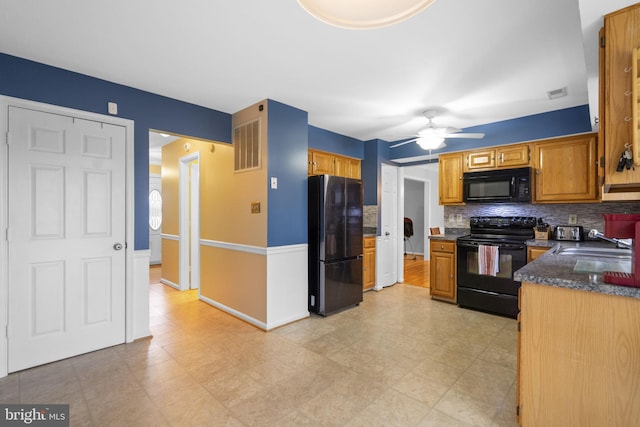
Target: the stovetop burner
(499, 228)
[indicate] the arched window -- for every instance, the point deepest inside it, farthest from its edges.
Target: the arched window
(155, 210)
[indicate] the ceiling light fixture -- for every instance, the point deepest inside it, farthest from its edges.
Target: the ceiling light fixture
(363, 14)
(430, 142)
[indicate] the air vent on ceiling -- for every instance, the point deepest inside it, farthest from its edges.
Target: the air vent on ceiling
(557, 93)
(246, 145)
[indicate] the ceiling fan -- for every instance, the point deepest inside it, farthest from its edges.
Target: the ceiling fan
(432, 136)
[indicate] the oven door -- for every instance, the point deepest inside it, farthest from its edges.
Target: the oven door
(512, 256)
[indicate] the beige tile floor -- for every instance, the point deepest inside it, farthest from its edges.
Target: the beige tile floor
(399, 359)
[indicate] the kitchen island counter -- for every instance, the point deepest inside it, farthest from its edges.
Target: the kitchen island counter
(558, 270)
(577, 341)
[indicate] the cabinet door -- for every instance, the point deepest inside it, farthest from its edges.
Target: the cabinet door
(566, 170)
(481, 159)
(369, 263)
(442, 275)
(323, 163)
(513, 156)
(442, 270)
(354, 168)
(450, 178)
(534, 252)
(341, 166)
(622, 35)
(309, 163)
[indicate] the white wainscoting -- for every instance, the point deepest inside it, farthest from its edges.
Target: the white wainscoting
(140, 295)
(287, 284)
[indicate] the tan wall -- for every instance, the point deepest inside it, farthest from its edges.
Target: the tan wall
(170, 260)
(233, 278)
(155, 169)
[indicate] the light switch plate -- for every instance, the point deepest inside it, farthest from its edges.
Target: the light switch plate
(255, 207)
(274, 183)
(113, 108)
(573, 219)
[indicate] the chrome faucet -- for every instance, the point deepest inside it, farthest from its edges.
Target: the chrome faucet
(621, 243)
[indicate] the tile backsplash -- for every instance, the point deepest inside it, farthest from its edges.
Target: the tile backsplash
(589, 215)
(370, 216)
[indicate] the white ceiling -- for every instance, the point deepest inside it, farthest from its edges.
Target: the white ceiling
(476, 61)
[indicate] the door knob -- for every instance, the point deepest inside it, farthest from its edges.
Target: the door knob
(386, 233)
(117, 246)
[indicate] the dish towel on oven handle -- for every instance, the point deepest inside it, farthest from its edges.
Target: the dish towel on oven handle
(488, 260)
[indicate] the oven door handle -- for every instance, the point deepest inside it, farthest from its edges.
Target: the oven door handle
(499, 245)
(482, 291)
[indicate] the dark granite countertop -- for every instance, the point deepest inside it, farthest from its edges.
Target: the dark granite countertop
(447, 236)
(558, 270)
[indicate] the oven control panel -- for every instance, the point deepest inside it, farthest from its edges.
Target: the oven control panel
(503, 221)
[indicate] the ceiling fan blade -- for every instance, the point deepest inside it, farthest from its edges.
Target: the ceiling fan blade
(464, 135)
(403, 143)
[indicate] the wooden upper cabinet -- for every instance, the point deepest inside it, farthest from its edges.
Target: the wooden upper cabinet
(480, 159)
(450, 171)
(513, 156)
(508, 156)
(354, 169)
(321, 163)
(618, 94)
(565, 169)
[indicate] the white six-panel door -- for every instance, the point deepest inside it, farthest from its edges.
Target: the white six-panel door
(387, 243)
(66, 217)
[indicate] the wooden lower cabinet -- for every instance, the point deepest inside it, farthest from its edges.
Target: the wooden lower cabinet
(442, 270)
(369, 263)
(534, 252)
(578, 358)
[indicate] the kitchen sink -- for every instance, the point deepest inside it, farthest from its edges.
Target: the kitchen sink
(596, 252)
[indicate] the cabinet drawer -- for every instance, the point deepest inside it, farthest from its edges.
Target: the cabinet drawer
(369, 242)
(443, 246)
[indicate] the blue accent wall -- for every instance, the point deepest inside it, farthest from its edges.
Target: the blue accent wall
(376, 152)
(336, 143)
(287, 153)
(21, 78)
(538, 126)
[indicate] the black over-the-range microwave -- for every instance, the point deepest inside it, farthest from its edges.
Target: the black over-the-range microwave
(505, 185)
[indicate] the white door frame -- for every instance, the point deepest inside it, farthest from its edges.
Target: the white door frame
(5, 103)
(400, 231)
(189, 219)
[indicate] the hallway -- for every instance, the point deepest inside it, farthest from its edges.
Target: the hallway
(416, 271)
(398, 359)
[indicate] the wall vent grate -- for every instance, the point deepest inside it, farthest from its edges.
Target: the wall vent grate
(247, 146)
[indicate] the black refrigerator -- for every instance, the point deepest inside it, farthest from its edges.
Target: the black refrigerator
(335, 243)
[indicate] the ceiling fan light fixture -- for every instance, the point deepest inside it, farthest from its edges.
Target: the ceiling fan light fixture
(363, 14)
(430, 142)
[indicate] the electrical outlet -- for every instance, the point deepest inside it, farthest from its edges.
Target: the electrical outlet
(459, 218)
(573, 219)
(451, 218)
